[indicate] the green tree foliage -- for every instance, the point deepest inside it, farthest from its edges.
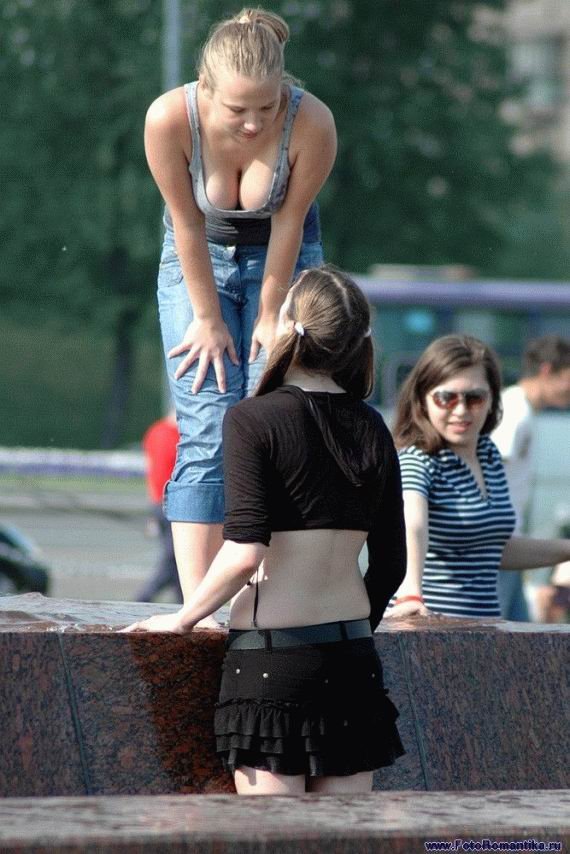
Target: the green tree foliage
(426, 171)
(80, 219)
(78, 77)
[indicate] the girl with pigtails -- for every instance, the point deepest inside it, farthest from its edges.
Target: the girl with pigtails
(311, 474)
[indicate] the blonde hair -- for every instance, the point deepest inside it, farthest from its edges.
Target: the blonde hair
(250, 43)
(331, 334)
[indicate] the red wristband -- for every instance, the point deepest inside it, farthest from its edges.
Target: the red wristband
(401, 599)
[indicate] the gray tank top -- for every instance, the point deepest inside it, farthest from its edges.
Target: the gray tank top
(244, 227)
(280, 179)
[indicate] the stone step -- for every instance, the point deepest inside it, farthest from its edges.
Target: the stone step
(387, 823)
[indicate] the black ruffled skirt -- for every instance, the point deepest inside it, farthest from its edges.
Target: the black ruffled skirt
(318, 710)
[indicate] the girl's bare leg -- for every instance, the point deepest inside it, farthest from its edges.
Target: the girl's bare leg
(355, 783)
(195, 547)
(253, 781)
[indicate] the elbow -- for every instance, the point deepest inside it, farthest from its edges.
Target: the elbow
(288, 224)
(188, 226)
(245, 558)
(244, 571)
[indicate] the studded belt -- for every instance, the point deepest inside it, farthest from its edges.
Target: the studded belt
(298, 635)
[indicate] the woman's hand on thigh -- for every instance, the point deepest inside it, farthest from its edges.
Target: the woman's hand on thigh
(205, 341)
(263, 336)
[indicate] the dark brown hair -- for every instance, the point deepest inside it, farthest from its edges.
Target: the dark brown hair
(335, 317)
(443, 358)
(550, 349)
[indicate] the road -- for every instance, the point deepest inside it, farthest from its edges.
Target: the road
(92, 555)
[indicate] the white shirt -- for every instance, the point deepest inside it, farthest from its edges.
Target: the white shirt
(514, 438)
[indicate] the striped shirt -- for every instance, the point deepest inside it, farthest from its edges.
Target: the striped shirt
(467, 530)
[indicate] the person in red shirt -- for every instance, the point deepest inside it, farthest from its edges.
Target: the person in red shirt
(159, 445)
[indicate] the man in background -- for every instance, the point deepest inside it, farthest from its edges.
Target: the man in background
(159, 445)
(545, 384)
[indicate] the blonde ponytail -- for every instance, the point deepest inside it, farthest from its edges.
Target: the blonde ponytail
(260, 17)
(250, 43)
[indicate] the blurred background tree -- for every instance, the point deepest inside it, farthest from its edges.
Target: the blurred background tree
(80, 218)
(427, 173)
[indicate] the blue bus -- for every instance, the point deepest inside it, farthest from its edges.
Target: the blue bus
(505, 314)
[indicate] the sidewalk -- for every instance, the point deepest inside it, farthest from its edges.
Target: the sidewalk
(90, 529)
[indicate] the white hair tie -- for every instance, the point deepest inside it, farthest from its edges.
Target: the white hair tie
(368, 333)
(299, 328)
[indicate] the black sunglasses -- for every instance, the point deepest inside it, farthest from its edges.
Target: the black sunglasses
(473, 399)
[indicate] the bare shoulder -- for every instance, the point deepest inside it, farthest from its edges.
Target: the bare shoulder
(166, 125)
(314, 116)
(168, 112)
(313, 135)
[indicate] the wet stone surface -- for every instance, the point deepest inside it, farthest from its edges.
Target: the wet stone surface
(33, 612)
(483, 704)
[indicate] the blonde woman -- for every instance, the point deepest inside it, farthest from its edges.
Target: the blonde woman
(311, 474)
(239, 156)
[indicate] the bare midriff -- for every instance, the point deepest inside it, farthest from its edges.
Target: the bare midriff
(307, 578)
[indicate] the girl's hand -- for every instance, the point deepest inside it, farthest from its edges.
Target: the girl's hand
(205, 341)
(161, 623)
(263, 336)
(407, 609)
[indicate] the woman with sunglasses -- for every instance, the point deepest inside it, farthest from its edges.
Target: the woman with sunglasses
(459, 517)
(311, 474)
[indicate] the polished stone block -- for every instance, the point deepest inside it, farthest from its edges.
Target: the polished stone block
(39, 750)
(407, 772)
(386, 823)
(483, 704)
(147, 711)
(492, 708)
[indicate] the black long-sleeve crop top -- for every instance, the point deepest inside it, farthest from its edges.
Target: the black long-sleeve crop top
(296, 460)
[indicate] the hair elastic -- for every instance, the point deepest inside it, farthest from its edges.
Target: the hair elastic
(410, 598)
(299, 328)
(368, 333)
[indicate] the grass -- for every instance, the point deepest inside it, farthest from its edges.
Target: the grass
(11, 484)
(55, 385)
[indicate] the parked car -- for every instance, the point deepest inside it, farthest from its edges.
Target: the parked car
(21, 568)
